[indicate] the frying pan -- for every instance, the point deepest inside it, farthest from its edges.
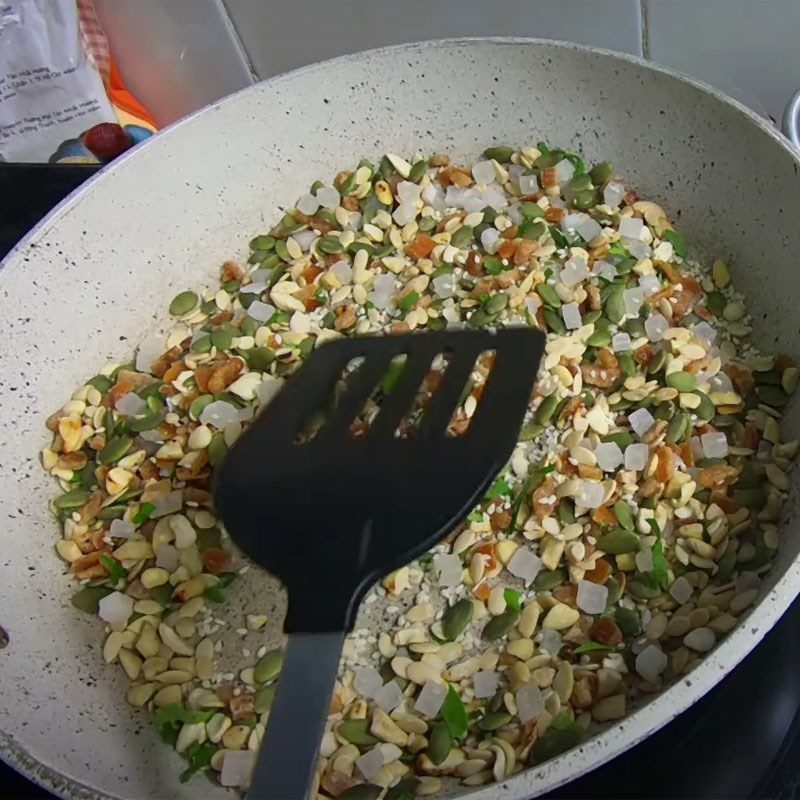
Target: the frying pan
(87, 284)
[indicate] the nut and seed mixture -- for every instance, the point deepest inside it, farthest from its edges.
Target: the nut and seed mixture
(631, 528)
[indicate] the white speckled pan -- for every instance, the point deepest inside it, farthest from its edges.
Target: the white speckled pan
(89, 281)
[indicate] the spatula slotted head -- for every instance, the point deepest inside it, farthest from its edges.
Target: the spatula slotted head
(331, 514)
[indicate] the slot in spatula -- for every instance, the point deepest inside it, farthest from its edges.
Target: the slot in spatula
(332, 511)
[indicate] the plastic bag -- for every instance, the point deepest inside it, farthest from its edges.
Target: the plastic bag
(61, 97)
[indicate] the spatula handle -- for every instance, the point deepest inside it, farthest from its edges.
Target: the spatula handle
(288, 757)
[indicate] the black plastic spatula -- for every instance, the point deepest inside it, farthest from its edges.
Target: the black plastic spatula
(331, 514)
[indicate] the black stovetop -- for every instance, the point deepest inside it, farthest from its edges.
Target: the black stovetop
(741, 741)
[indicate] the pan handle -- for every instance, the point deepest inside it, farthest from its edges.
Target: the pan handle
(791, 120)
(288, 758)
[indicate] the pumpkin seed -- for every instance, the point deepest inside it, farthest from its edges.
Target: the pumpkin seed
(624, 515)
(530, 430)
(479, 318)
(546, 580)
(330, 244)
(615, 305)
(183, 303)
(439, 743)
(72, 499)
(614, 593)
(115, 449)
(554, 322)
(456, 618)
(628, 621)
(101, 383)
(499, 626)
(146, 423)
(627, 364)
(601, 173)
(264, 699)
(197, 405)
(676, 429)
(641, 590)
(268, 667)
(600, 338)
(500, 154)
(262, 243)
(531, 210)
(772, 395)
(548, 295)
(681, 381)
(361, 791)
(544, 413)
(356, 731)
(716, 302)
(217, 449)
(405, 789)
(618, 541)
(88, 599)
(491, 722)
(417, 171)
(496, 303)
(222, 338)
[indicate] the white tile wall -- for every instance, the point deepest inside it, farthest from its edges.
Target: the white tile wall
(282, 34)
(174, 55)
(748, 48)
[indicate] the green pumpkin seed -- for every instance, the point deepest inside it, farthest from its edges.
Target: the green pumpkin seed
(202, 344)
(208, 537)
(330, 244)
(625, 267)
(262, 243)
(627, 364)
(753, 499)
(405, 789)
(705, 411)
(217, 449)
(547, 160)
(624, 515)
(556, 740)
(268, 667)
(615, 305)
(499, 626)
(641, 590)
(531, 210)
(682, 381)
(72, 499)
(88, 599)
(499, 153)
(530, 430)
(657, 364)
(456, 618)
(566, 512)
(183, 303)
(621, 438)
(600, 338)
(585, 199)
(101, 383)
(614, 593)
(772, 395)
(463, 237)
(197, 406)
(635, 328)
(628, 621)
(114, 450)
(356, 731)
(544, 413)
(264, 699)
(146, 423)
(664, 411)
(580, 183)
(547, 580)
(361, 791)
(222, 338)
(259, 358)
(491, 722)
(593, 316)
(439, 743)
(726, 565)
(618, 541)
(496, 303)
(716, 302)
(347, 185)
(601, 173)
(281, 251)
(548, 295)
(249, 326)
(554, 321)
(479, 318)
(426, 224)
(417, 171)
(676, 429)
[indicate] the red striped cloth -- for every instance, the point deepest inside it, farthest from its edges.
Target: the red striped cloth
(94, 39)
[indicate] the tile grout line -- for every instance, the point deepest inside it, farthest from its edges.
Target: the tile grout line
(643, 15)
(228, 19)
